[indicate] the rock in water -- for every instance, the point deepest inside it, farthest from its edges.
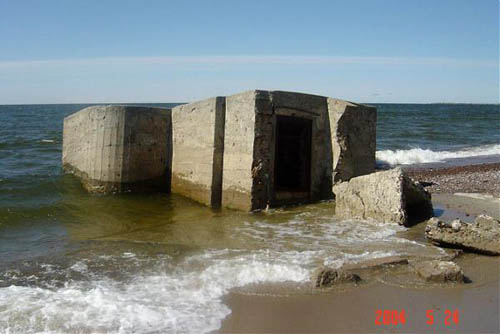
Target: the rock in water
(483, 236)
(324, 277)
(377, 263)
(388, 196)
(440, 271)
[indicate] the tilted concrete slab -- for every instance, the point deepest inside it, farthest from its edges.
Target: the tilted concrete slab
(118, 148)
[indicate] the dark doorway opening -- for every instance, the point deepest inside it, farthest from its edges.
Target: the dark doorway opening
(292, 170)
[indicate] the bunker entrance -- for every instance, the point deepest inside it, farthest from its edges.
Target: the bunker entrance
(292, 170)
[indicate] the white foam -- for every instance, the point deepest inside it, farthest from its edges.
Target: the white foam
(80, 267)
(418, 155)
(187, 302)
(188, 296)
(354, 258)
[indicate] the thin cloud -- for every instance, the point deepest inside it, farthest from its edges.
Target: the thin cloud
(242, 60)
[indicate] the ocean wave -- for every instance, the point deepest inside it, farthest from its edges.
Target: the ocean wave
(419, 155)
(188, 296)
(186, 302)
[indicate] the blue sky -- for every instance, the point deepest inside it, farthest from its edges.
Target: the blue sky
(176, 51)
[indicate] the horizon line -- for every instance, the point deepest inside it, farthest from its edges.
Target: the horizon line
(178, 103)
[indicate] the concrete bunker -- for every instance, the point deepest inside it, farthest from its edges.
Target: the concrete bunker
(246, 151)
(285, 148)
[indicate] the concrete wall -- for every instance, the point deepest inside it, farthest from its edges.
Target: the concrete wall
(118, 148)
(354, 128)
(238, 151)
(198, 145)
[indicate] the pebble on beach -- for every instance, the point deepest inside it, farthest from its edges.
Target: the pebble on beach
(483, 178)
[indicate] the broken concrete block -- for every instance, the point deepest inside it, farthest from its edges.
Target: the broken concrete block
(388, 196)
(278, 147)
(439, 271)
(482, 236)
(118, 148)
(198, 147)
(324, 277)
(353, 129)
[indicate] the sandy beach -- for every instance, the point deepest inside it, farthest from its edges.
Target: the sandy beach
(458, 192)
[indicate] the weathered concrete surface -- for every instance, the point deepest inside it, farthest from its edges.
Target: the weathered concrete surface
(247, 151)
(251, 147)
(198, 147)
(118, 148)
(324, 277)
(483, 236)
(388, 196)
(377, 263)
(439, 271)
(238, 151)
(354, 130)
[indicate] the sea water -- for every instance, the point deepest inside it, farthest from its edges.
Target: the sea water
(432, 133)
(79, 263)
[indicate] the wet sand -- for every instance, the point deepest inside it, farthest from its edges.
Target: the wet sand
(353, 310)
(471, 204)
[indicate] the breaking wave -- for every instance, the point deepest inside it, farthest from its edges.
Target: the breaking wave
(419, 155)
(187, 296)
(188, 302)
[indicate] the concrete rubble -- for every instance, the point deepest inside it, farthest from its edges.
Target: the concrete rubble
(439, 271)
(386, 196)
(482, 236)
(325, 277)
